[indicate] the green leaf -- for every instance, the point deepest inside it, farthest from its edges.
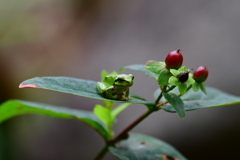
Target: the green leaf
(155, 66)
(135, 96)
(198, 100)
(182, 87)
(119, 109)
(195, 87)
(108, 104)
(202, 87)
(176, 103)
(104, 115)
(13, 108)
(104, 73)
(173, 81)
(79, 87)
(183, 69)
(143, 147)
(190, 80)
(164, 77)
(140, 67)
(175, 72)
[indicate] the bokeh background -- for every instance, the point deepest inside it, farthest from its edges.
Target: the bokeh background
(79, 38)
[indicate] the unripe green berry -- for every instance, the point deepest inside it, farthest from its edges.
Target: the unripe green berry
(200, 74)
(174, 60)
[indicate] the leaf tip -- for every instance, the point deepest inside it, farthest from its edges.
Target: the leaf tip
(22, 85)
(167, 157)
(121, 69)
(148, 62)
(182, 116)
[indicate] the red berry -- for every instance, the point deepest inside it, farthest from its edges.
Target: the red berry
(174, 60)
(201, 74)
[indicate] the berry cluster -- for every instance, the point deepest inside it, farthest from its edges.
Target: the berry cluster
(174, 62)
(172, 72)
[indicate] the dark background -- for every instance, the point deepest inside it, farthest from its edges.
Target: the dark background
(79, 38)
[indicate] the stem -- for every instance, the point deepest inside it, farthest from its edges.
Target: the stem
(160, 95)
(123, 134)
(102, 153)
(189, 87)
(171, 88)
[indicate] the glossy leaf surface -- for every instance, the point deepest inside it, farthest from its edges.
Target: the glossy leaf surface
(198, 100)
(73, 86)
(164, 77)
(142, 147)
(13, 108)
(176, 102)
(155, 66)
(140, 67)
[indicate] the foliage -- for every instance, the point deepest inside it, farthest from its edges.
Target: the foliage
(174, 95)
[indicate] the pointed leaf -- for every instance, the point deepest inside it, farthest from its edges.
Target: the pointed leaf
(143, 147)
(182, 69)
(164, 77)
(176, 103)
(198, 100)
(13, 108)
(140, 67)
(73, 86)
(155, 66)
(119, 109)
(202, 87)
(175, 72)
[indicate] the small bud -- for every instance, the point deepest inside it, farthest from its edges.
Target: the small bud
(183, 77)
(200, 74)
(174, 60)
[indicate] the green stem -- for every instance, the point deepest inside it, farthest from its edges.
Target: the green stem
(189, 87)
(163, 90)
(171, 88)
(159, 97)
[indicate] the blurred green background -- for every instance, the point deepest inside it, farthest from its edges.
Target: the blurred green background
(79, 38)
